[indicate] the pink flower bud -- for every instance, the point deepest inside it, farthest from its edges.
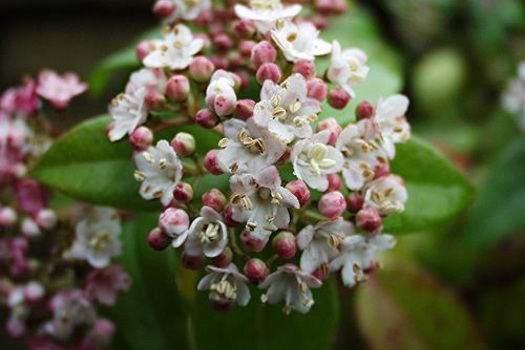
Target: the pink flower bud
(319, 21)
(183, 144)
(141, 138)
(317, 89)
(332, 204)
(321, 273)
(246, 47)
(382, 170)
(305, 68)
(211, 164)
(163, 8)
(183, 192)
(33, 292)
(154, 99)
(224, 105)
(354, 202)
(224, 259)
(206, 118)
(284, 245)
(220, 62)
(244, 29)
(223, 305)
(142, 50)
(338, 98)
(268, 71)
(201, 69)
(178, 88)
(173, 222)
(364, 110)
(333, 126)
(251, 244)
(158, 240)
(368, 219)
(334, 182)
(228, 216)
(214, 199)
(192, 262)
(8, 217)
(263, 52)
(244, 109)
(299, 190)
(285, 157)
(222, 42)
(256, 270)
(46, 219)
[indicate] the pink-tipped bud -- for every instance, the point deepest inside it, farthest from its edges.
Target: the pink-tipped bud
(154, 99)
(317, 89)
(183, 144)
(46, 219)
(30, 228)
(354, 202)
(164, 8)
(173, 222)
(333, 126)
(382, 170)
(364, 110)
(299, 190)
(244, 109)
(224, 105)
(368, 219)
(268, 71)
(305, 68)
(220, 62)
(192, 262)
(183, 192)
(263, 52)
(201, 69)
(228, 216)
(141, 138)
(178, 88)
(256, 270)
(284, 245)
(332, 204)
(285, 157)
(211, 164)
(224, 259)
(322, 273)
(158, 240)
(206, 118)
(338, 98)
(327, 7)
(244, 29)
(214, 199)
(8, 217)
(251, 244)
(142, 50)
(222, 305)
(33, 292)
(334, 183)
(246, 47)
(222, 42)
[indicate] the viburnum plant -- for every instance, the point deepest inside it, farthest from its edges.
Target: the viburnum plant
(306, 195)
(55, 266)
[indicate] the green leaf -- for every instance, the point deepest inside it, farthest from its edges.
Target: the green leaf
(437, 191)
(85, 165)
(398, 309)
(267, 327)
(498, 210)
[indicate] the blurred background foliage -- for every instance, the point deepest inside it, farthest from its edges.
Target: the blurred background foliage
(461, 285)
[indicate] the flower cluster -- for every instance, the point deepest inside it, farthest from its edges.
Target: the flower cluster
(514, 97)
(54, 266)
(315, 189)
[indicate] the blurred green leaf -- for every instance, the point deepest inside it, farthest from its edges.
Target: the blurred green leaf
(405, 309)
(437, 191)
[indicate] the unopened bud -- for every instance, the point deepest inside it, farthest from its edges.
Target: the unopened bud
(46, 219)
(244, 29)
(201, 69)
(224, 259)
(8, 217)
(252, 244)
(382, 170)
(178, 88)
(305, 68)
(158, 240)
(33, 292)
(334, 182)
(224, 105)
(244, 109)
(321, 273)
(214, 199)
(284, 245)
(268, 71)
(206, 118)
(163, 8)
(263, 52)
(246, 47)
(333, 126)
(192, 262)
(256, 270)
(317, 89)
(183, 144)
(332, 204)
(141, 138)
(142, 50)
(338, 98)
(368, 219)
(173, 222)
(300, 191)
(154, 99)
(211, 164)
(222, 42)
(364, 110)
(228, 216)
(30, 228)
(183, 192)
(354, 202)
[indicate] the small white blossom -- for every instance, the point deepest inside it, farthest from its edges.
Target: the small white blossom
(222, 83)
(390, 116)
(299, 42)
(291, 285)
(97, 237)
(514, 97)
(320, 243)
(286, 110)
(128, 110)
(313, 160)
(207, 234)
(189, 9)
(265, 13)
(358, 254)
(226, 285)
(160, 170)
(175, 51)
(348, 68)
(247, 147)
(151, 79)
(386, 195)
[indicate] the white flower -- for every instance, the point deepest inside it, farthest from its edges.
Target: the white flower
(97, 237)
(386, 194)
(151, 79)
(128, 112)
(189, 9)
(313, 159)
(358, 254)
(175, 51)
(348, 68)
(247, 147)
(265, 13)
(291, 285)
(286, 110)
(514, 97)
(390, 116)
(299, 42)
(159, 170)
(207, 234)
(226, 285)
(222, 84)
(261, 202)
(59, 89)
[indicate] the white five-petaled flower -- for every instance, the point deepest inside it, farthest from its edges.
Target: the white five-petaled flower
(313, 160)
(348, 68)
(188, 9)
(261, 202)
(175, 51)
(160, 170)
(226, 285)
(151, 79)
(359, 253)
(59, 89)
(97, 237)
(286, 110)
(207, 234)
(320, 243)
(299, 41)
(265, 13)
(386, 194)
(514, 97)
(247, 147)
(390, 116)
(291, 285)
(128, 110)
